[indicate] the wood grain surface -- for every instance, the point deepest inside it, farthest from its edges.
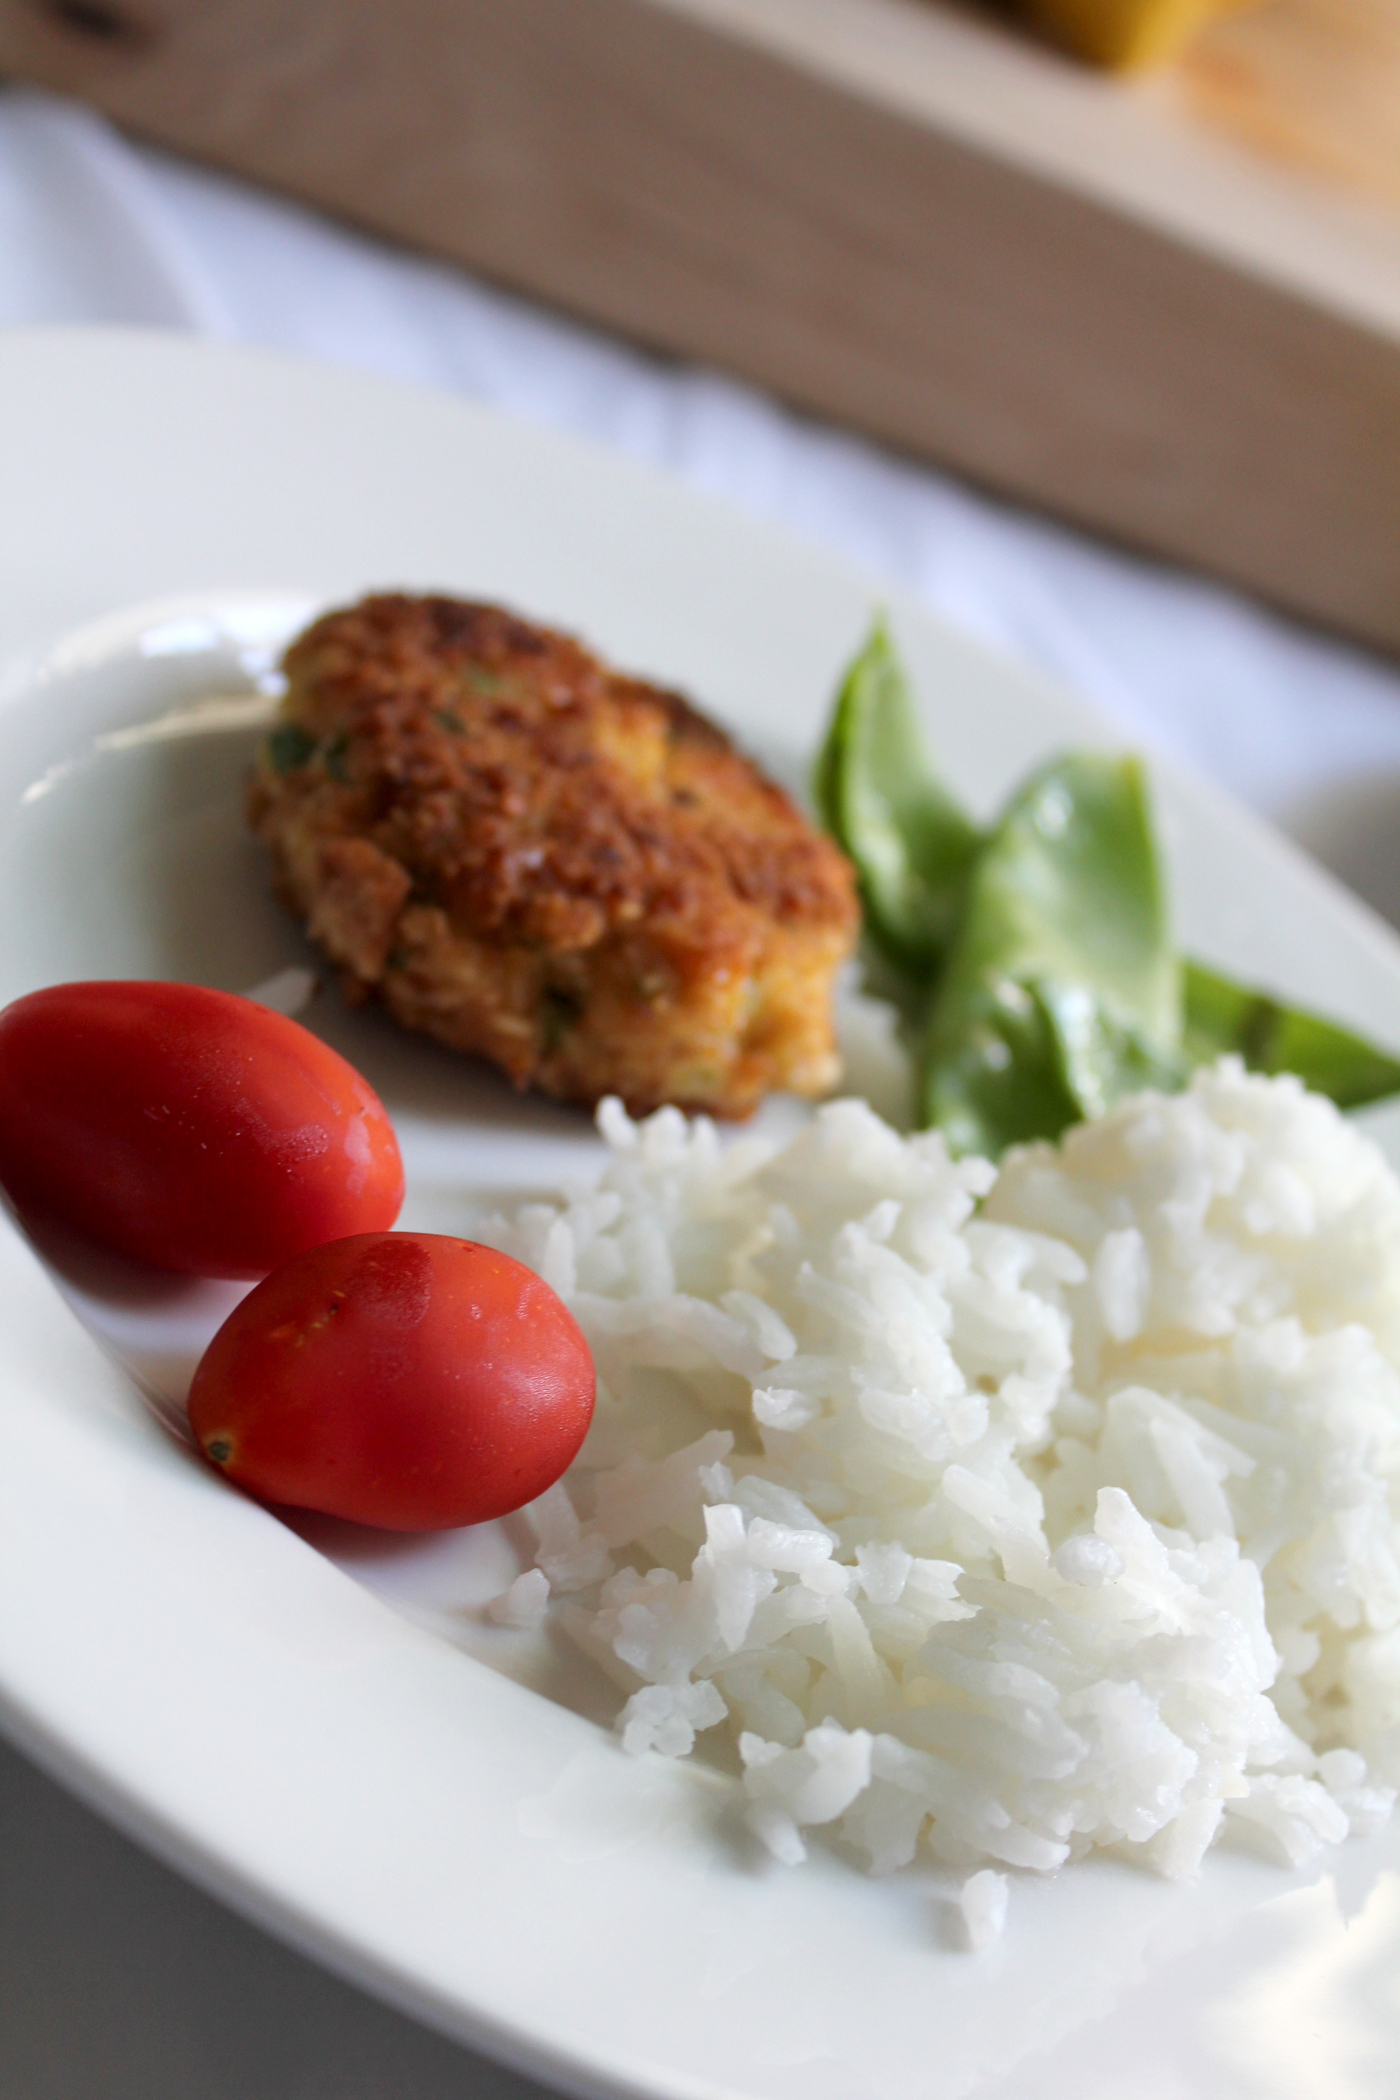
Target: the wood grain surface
(861, 241)
(1315, 82)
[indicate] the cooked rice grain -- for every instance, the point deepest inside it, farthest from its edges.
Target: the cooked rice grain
(1011, 1514)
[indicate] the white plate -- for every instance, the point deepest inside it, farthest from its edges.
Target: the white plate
(353, 1761)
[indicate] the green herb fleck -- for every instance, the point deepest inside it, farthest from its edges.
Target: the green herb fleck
(288, 746)
(560, 1011)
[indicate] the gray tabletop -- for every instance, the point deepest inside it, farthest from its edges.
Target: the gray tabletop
(120, 1981)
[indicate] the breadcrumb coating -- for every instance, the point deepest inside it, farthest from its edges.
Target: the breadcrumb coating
(534, 858)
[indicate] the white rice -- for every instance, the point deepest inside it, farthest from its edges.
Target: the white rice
(1002, 1515)
(982, 1901)
(524, 1603)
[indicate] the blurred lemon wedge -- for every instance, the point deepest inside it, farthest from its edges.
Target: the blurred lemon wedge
(1125, 34)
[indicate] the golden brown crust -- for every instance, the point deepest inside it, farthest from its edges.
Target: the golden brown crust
(560, 868)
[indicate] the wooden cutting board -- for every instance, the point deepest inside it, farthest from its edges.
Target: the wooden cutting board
(1314, 83)
(904, 217)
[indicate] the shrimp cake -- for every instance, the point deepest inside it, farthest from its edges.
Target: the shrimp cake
(548, 864)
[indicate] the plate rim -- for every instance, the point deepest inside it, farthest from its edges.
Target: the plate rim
(73, 1763)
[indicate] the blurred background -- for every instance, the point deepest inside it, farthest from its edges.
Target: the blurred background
(1079, 318)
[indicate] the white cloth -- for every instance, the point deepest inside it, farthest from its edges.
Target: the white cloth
(116, 1979)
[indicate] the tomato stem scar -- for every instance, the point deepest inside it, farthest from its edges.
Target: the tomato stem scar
(220, 1449)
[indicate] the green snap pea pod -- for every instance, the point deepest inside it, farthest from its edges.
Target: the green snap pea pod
(1038, 952)
(1222, 1017)
(1061, 992)
(877, 794)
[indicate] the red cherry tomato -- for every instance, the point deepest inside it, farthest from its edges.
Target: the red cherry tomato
(188, 1128)
(402, 1379)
